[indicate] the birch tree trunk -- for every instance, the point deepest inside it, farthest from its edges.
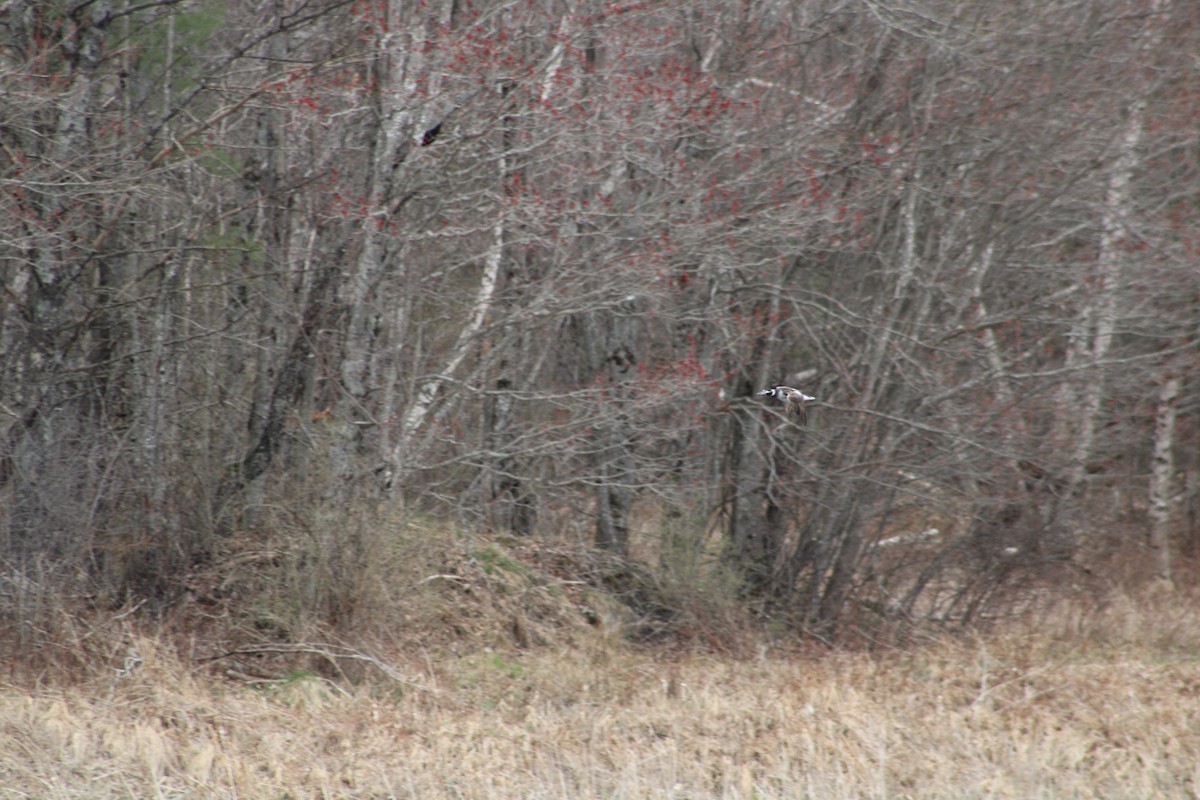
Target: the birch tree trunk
(1099, 318)
(427, 390)
(1162, 474)
(401, 63)
(158, 378)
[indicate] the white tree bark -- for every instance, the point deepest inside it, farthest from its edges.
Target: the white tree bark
(427, 394)
(554, 63)
(157, 376)
(1100, 316)
(1162, 473)
(402, 63)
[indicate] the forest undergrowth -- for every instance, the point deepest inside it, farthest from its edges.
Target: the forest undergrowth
(455, 665)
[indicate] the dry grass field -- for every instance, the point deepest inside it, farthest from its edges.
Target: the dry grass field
(1096, 703)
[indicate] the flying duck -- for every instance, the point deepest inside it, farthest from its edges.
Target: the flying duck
(793, 400)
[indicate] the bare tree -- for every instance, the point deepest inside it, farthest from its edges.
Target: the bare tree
(527, 265)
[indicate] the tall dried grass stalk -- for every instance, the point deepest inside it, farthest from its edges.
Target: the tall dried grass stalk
(1102, 703)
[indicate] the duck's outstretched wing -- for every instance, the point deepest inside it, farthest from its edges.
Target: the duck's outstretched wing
(793, 401)
(796, 402)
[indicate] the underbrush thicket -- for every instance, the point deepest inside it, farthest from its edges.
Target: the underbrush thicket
(408, 659)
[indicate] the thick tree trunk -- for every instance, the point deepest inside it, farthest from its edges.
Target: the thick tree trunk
(751, 536)
(608, 345)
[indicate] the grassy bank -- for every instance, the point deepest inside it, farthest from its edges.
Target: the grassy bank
(1098, 704)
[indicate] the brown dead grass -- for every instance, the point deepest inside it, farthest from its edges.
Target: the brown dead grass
(1087, 703)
